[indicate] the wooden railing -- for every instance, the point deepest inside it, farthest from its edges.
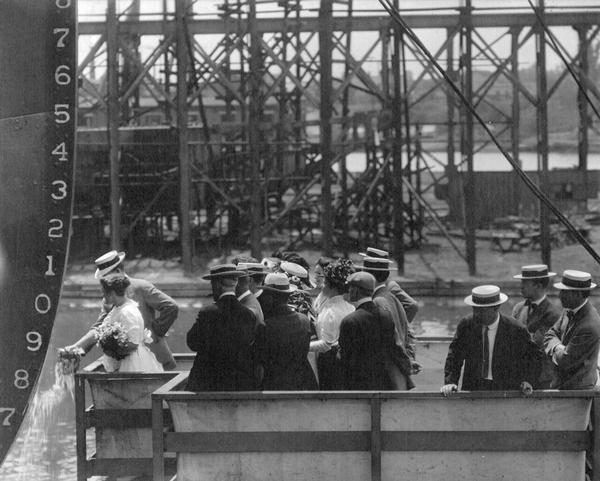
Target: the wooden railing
(119, 423)
(348, 435)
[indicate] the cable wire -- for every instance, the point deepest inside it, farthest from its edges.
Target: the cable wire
(394, 14)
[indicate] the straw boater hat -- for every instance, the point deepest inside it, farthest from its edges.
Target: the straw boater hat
(536, 271)
(575, 281)
(377, 264)
(486, 296)
(107, 262)
(372, 252)
(251, 268)
(278, 282)
(223, 270)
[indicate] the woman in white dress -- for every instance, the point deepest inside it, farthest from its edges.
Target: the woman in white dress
(138, 357)
(332, 309)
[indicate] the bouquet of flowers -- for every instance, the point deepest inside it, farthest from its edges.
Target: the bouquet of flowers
(113, 340)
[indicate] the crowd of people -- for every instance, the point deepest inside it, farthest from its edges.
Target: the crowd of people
(348, 326)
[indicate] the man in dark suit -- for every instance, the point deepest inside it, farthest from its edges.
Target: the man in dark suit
(366, 338)
(243, 292)
(410, 305)
(223, 337)
(574, 340)
(286, 339)
(383, 297)
(536, 312)
(496, 350)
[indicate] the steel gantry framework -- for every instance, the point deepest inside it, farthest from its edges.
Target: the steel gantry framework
(233, 122)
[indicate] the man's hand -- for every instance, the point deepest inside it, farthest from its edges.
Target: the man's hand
(448, 389)
(415, 367)
(526, 388)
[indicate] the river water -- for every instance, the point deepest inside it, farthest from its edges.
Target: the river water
(45, 447)
(491, 161)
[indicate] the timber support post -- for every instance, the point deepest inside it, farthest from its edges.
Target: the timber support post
(542, 136)
(112, 67)
(326, 108)
(183, 138)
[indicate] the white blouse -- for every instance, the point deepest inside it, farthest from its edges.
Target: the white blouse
(332, 311)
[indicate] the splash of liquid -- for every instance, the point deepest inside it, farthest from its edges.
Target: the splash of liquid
(44, 448)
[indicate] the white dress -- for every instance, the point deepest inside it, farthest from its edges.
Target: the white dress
(140, 360)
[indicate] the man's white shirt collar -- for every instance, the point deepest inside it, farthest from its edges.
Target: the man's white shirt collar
(245, 294)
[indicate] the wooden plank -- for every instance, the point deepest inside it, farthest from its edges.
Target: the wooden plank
(321, 441)
(596, 440)
(80, 428)
(495, 414)
(443, 466)
(123, 418)
(123, 466)
(267, 442)
(349, 466)
(490, 441)
(375, 440)
(158, 465)
(276, 415)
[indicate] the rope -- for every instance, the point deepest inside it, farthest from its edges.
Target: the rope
(395, 15)
(562, 57)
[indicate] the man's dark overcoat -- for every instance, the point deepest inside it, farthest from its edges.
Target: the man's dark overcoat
(366, 342)
(223, 337)
(284, 354)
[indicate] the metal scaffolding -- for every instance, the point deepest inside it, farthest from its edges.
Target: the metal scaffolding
(234, 123)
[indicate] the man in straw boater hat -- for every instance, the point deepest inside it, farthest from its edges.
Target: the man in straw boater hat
(243, 292)
(151, 301)
(496, 350)
(574, 340)
(223, 338)
(380, 268)
(284, 352)
(536, 312)
(411, 307)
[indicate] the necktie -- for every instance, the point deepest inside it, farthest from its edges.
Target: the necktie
(570, 316)
(485, 365)
(530, 306)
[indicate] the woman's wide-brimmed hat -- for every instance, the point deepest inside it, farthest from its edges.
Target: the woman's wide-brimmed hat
(575, 281)
(107, 262)
(223, 270)
(486, 296)
(535, 271)
(278, 282)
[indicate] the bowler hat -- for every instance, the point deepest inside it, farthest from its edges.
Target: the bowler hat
(575, 280)
(363, 280)
(278, 282)
(223, 270)
(486, 296)
(535, 271)
(107, 262)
